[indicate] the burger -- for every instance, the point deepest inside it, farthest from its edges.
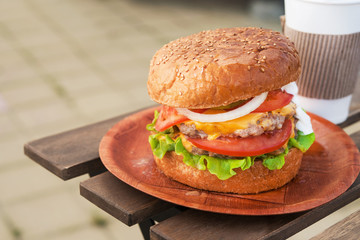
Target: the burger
(229, 120)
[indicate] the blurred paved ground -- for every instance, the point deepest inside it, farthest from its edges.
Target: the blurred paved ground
(66, 63)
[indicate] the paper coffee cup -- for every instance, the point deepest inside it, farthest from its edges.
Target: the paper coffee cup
(327, 35)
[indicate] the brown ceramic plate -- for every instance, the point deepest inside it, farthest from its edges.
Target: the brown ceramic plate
(328, 169)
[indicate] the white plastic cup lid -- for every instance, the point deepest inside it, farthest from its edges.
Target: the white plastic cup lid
(323, 16)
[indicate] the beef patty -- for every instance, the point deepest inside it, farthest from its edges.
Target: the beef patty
(268, 122)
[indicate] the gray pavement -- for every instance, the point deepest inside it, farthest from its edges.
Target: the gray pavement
(66, 63)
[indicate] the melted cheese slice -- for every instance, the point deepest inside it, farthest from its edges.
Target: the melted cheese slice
(215, 129)
(187, 145)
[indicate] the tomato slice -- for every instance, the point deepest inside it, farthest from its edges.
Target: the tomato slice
(249, 146)
(275, 99)
(168, 117)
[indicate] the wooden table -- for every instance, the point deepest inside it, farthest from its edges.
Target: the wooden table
(74, 153)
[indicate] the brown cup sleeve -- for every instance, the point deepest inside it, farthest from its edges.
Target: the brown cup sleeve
(330, 63)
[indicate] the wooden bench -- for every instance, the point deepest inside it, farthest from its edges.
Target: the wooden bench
(74, 153)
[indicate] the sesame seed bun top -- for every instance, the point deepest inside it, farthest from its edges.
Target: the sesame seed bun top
(217, 67)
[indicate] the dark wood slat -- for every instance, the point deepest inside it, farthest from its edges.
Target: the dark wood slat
(193, 224)
(352, 118)
(120, 200)
(317, 214)
(145, 226)
(346, 229)
(71, 153)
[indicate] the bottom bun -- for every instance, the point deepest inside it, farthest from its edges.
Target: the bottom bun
(256, 179)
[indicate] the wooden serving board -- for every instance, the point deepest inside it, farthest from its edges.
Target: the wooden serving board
(328, 169)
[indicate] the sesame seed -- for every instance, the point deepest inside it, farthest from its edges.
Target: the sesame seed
(249, 68)
(262, 69)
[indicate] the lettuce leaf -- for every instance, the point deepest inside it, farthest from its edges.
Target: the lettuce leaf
(151, 126)
(302, 142)
(188, 158)
(223, 168)
(273, 162)
(160, 144)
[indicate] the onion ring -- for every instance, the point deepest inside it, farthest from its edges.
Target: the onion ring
(230, 115)
(291, 88)
(304, 122)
